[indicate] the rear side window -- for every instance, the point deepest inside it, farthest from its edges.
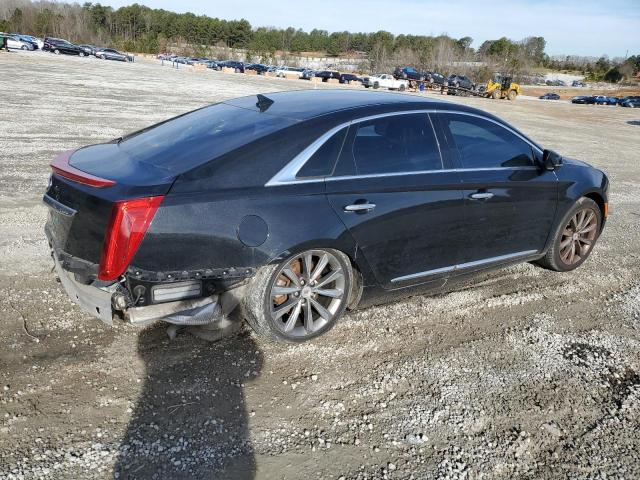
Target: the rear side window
(395, 144)
(484, 144)
(322, 161)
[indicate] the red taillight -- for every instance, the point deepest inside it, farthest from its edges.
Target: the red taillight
(127, 226)
(60, 166)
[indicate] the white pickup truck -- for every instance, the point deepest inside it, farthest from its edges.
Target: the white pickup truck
(385, 80)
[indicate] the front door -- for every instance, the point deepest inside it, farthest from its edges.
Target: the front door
(510, 202)
(403, 207)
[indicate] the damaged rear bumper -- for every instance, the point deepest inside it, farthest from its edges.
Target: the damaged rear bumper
(97, 299)
(92, 299)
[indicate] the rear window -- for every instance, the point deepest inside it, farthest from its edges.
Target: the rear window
(192, 139)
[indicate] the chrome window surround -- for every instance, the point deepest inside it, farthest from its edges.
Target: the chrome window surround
(287, 175)
(464, 266)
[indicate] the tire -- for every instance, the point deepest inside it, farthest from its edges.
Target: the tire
(376, 85)
(495, 94)
(24, 47)
(103, 57)
(512, 95)
(270, 312)
(556, 258)
(81, 54)
(56, 51)
(402, 88)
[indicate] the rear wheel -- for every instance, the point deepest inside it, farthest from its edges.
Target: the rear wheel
(81, 54)
(23, 47)
(495, 94)
(103, 57)
(402, 88)
(301, 298)
(512, 95)
(575, 238)
(56, 51)
(376, 85)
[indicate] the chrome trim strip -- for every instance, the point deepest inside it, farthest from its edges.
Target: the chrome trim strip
(464, 266)
(287, 175)
(419, 172)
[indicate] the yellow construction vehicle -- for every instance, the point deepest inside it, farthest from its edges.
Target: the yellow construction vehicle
(502, 87)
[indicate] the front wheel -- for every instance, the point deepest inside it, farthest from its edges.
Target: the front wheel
(81, 54)
(103, 57)
(376, 85)
(301, 298)
(56, 51)
(402, 88)
(24, 47)
(575, 237)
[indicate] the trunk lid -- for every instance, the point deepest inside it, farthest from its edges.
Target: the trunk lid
(81, 199)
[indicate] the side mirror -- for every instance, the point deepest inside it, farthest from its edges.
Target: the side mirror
(551, 160)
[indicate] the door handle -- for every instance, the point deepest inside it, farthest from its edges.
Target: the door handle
(360, 207)
(481, 196)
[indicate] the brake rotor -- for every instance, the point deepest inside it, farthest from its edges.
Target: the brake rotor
(284, 281)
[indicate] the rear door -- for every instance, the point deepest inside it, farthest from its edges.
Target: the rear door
(510, 202)
(404, 209)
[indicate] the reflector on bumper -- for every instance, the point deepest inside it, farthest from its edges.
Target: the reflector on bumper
(176, 291)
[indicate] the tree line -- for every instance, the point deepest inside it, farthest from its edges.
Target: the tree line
(142, 29)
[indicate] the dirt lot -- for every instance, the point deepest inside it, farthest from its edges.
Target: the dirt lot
(524, 374)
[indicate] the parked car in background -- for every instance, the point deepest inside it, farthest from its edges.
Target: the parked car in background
(349, 78)
(238, 67)
(408, 73)
(308, 74)
(14, 43)
(459, 81)
(578, 83)
(604, 100)
(549, 96)
(58, 46)
(436, 78)
(328, 74)
(27, 38)
(285, 70)
(164, 225)
(111, 54)
(632, 101)
(259, 68)
(583, 99)
(89, 49)
(385, 80)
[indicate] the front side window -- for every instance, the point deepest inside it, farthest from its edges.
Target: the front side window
(481, 143)
(395, 144)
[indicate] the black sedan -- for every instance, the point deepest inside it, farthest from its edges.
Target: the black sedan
(349, 78)
(58, 46)
(549, 96)
(584, 100)
(296, 206)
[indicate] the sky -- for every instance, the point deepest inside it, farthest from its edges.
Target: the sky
(570, 27)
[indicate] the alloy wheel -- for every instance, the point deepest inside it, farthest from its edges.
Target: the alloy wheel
(578, 236)
(308, 293)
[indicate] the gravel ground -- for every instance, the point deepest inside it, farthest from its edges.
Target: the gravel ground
(523, 374)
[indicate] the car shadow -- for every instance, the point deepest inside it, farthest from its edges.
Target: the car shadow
(634, 122)
(190, 420)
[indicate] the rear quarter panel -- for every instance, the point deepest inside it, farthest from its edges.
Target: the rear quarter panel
(194, 231)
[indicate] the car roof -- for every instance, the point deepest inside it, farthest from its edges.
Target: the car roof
(307, 104)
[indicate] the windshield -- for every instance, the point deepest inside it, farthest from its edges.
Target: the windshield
(192, 139)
